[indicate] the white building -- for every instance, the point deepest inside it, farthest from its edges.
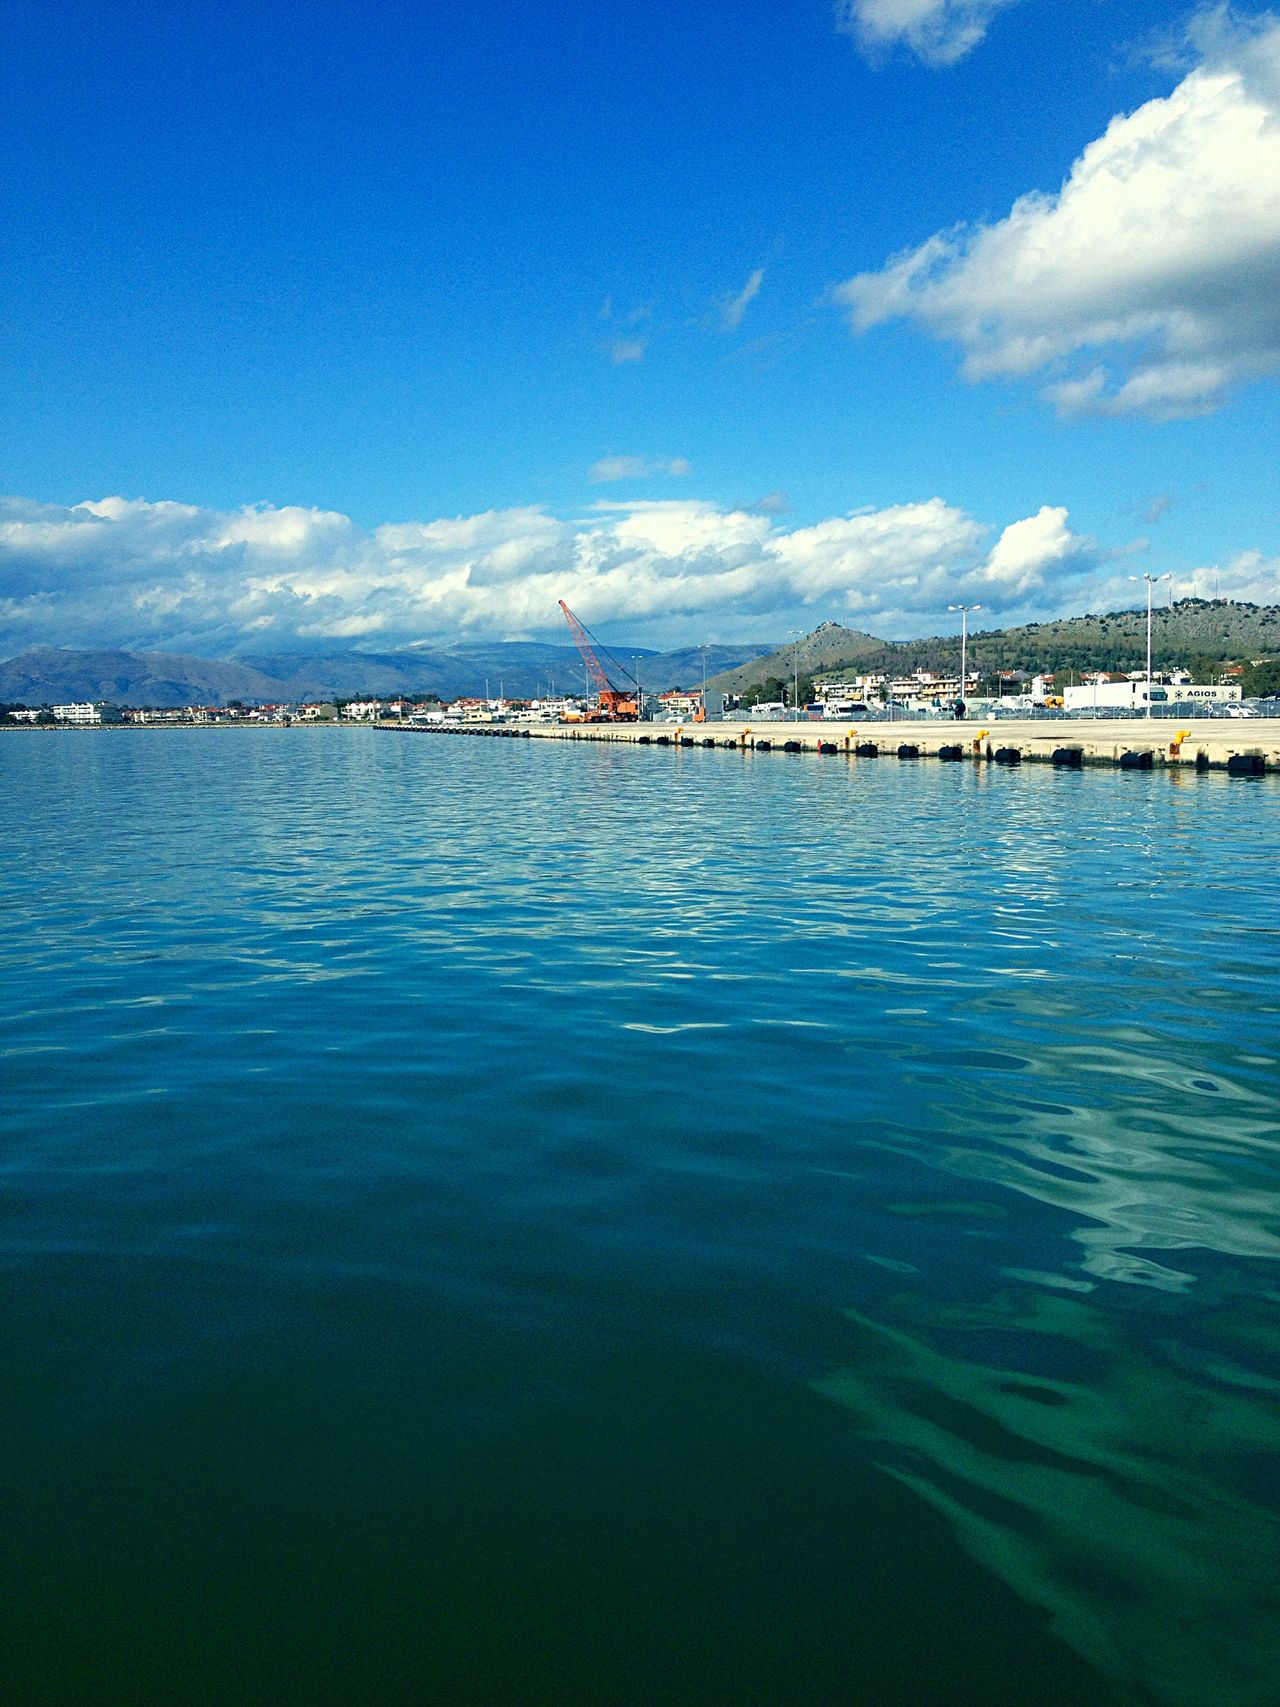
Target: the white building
(921, 689)
(678, 705)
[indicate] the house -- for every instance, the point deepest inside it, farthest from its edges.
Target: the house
(679, 705)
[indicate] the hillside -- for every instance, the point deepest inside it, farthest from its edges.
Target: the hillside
(1199, 634)
(829, 647)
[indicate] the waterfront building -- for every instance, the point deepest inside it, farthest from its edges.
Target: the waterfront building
(87, 714)
(678, 705)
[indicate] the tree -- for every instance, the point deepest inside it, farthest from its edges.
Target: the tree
(770, 690)
(1260, 678)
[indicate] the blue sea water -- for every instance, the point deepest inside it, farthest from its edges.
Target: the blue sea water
(524, 1222)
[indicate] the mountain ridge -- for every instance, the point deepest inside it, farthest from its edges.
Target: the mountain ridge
(47, 675)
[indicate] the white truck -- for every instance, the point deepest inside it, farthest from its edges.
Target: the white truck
(1136, 696)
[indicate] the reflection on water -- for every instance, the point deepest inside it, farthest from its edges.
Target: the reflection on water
(1093, 1476)
(1144, 1152)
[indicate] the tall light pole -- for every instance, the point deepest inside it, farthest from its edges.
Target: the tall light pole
(964, 643)
(635, 660)
(703, 650)
(1151, 581)
(795, 670)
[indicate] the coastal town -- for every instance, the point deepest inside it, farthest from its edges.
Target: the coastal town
(921, 694)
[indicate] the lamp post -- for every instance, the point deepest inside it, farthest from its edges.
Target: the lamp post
(1151, 581)
(635, 662)
(795, 670)
(964, 643)
(703, 650)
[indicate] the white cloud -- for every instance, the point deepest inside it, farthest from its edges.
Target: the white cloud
(638, 468)
(262, 579)
(937, 31)
(1248, 577)
(1150, 284)
(732, 311)
(627, 350)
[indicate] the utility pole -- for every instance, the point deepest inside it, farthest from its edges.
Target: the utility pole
(795, 672)
(964, 643)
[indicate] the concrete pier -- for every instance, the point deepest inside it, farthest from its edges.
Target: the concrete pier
(1245, 745)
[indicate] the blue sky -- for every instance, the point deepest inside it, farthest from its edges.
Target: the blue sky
(367, 325)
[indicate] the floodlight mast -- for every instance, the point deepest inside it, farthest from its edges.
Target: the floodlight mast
(1151, 581)
(964, 642)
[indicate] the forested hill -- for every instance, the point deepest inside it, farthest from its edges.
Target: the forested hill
(1201, 635)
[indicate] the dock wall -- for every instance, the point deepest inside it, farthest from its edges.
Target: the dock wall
(1244, 747)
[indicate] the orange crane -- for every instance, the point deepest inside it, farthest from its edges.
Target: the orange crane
(614, 705)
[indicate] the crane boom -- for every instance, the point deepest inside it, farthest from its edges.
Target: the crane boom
(615, 703)
(579, 633)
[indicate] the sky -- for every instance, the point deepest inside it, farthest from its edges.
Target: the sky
(374, 326)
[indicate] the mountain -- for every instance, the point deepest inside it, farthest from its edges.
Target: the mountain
(50, 675)
(828, 648)
(1199, 634)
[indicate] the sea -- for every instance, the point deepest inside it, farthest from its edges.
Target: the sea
(526, 1222)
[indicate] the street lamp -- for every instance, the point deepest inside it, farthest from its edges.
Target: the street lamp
(964, 643)
(703, 650)
(1151, 581)
(795, 670)
(635, 661)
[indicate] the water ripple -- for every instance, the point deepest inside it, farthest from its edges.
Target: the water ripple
(473, 1083)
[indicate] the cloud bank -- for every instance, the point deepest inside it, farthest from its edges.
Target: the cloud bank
(1150, 284)
(939, 32)
(175, 576)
